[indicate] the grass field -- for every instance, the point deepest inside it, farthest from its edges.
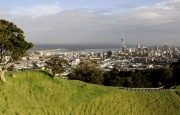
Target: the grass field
(34, 92)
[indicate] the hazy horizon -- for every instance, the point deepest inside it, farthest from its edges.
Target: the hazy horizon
(107, 44)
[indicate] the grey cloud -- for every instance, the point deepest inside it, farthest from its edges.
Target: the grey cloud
(156, 24)
(2, 10)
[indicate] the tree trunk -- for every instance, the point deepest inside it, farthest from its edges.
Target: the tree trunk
(2, 76)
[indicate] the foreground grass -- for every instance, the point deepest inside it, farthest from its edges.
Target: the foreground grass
(34, 92)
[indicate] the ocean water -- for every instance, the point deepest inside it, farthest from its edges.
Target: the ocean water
(76, 47)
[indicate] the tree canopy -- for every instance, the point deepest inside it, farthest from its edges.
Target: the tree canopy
(56, 65)
(87, 71)
(12, 45)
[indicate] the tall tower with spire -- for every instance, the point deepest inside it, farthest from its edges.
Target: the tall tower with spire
(123, 45)
(122, 39)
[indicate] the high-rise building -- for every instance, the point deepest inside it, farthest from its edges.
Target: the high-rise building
(145, 49)
(124, 49)
(156, 48)
(138, 47)
(176, 51)
(109, 54)
(167, 47)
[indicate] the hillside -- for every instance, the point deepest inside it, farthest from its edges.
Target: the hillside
(34, 92)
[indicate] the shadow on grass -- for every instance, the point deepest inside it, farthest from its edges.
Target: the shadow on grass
(46, 73)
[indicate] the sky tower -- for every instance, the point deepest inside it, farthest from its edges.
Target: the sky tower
(123, 46)
(122, 40)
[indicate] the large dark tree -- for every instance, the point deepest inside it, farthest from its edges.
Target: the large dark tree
(12, 45)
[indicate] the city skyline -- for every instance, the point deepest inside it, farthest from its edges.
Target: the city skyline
(154, 22)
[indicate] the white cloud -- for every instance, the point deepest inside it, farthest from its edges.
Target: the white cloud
(161, 13)
(37, 10)
(141, 7)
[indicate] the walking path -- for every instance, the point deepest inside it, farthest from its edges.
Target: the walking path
(143, 89)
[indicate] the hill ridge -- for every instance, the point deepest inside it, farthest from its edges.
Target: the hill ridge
(35, 92)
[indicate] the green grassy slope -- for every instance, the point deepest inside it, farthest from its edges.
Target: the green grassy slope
(34, 92)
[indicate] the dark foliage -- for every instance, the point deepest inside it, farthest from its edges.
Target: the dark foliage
(166, 77)
(87, 71)
(12, 45)
(176, 71)
(56, 65)
(12, 42)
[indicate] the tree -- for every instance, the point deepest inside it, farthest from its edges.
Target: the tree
(56, 65)
(114, 77)
(139, 80)
(87, 71)
(12, 45)
(176, 71)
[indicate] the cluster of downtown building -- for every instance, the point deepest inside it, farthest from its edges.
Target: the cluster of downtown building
(140, 57)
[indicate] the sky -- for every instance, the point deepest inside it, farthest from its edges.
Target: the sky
(147, 22)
